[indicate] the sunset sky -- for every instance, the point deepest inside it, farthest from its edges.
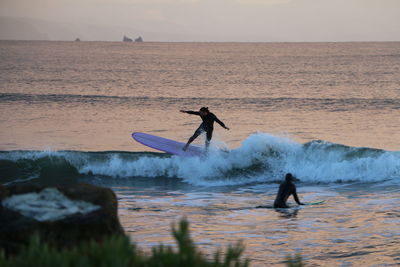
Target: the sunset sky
(208, 20)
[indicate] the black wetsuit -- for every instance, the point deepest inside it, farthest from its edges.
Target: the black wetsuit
(286, 189)
(207, 125)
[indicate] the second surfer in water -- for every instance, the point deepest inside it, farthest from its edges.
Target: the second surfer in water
(206, 126)
(286, 189)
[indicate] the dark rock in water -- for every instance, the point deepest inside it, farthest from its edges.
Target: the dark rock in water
(62, 216)
(139, 40)
(56, 167)
(126, 39)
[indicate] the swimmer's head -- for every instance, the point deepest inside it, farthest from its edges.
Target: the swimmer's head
(290, 178)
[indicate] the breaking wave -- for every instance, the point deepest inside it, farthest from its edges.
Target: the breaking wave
(261, 158)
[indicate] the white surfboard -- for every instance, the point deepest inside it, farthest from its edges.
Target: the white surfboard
(167, 145)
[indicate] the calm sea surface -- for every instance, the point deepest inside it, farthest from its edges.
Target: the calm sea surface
(327, 112)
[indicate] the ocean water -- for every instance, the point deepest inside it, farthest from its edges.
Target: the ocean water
(327, 112)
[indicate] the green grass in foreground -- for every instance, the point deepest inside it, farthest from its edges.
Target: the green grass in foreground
(117, 251)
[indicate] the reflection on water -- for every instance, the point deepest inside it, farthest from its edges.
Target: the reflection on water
(93, 95)
(288, 213)
(351, 228)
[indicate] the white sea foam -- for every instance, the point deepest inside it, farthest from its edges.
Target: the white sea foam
(261, 157)
(47, 205)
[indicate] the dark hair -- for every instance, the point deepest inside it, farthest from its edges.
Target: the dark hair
(204, 109)
(289, 177)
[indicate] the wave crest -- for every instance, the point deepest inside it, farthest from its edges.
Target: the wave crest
(261, 158)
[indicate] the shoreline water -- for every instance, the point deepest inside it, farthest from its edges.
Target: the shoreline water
(352, 226)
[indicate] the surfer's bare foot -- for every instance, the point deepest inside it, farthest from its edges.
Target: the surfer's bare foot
(185, 147)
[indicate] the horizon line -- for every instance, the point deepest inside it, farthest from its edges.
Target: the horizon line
(116, 41)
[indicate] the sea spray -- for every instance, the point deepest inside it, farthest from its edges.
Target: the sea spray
(325, 162)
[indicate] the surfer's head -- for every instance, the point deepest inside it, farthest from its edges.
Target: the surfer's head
(290, 178)
(204, 111)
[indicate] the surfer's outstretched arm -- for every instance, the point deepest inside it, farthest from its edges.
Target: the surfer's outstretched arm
(220, 123)
(190, 112)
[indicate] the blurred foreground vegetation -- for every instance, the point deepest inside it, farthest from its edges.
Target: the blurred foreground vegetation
(117, 251)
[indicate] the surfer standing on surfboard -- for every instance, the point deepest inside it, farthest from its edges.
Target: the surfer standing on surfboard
(207, 125)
